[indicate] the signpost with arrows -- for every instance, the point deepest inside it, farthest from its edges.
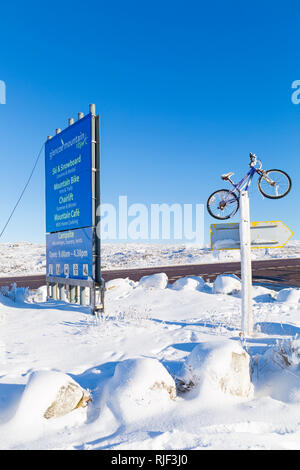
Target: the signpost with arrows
(265, 234)
(245, 236)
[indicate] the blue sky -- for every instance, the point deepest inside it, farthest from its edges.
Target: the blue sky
(184, 89)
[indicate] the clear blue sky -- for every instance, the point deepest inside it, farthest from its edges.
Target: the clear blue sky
(185, 90)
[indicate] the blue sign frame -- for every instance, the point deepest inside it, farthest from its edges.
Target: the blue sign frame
(68, 166)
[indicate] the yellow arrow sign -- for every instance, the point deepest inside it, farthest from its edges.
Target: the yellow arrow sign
(267, 234)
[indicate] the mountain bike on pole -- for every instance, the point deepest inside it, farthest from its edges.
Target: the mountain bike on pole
(273, 184)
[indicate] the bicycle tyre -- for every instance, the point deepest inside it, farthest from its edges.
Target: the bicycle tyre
(270, 196)
(216, 216)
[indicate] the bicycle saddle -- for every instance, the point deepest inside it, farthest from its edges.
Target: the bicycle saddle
(226, 176)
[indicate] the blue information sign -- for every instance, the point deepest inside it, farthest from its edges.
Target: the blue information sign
(68, 164)
(70, 254)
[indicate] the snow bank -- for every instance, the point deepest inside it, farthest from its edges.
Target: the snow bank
(289, 295)
(154, 281)
(49, 394)
(189, 283)
(215, 366)
(226, 284)
(139, 388)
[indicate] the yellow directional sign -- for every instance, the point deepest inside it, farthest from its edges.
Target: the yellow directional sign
(267, 234)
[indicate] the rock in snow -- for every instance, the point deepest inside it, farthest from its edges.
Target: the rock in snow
(226, 284)
(120, 286)
(289, 295)
(189, 283)
(50, 394)
(139, 387)
(155, 281)
(218, 365)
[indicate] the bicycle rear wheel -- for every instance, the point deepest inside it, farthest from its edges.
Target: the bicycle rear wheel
(222, 204)
(274, 184)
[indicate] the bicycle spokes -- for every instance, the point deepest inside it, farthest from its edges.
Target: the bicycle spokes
(274, 184)
(222, 204)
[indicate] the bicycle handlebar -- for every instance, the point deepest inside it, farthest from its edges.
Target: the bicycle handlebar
(254, 160)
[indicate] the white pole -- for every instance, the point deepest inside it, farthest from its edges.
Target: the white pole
(93, 109)
(246, 270)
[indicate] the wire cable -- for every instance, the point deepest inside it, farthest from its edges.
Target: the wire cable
(23, 191)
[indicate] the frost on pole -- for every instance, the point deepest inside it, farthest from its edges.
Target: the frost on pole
(246, 270)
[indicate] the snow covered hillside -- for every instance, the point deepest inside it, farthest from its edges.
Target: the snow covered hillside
(166, 368)
(28, 258)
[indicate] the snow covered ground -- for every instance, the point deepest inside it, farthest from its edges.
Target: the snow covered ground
(28, 258)
(153, 336)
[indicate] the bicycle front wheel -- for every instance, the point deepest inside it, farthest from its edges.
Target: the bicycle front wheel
(274, 184)
(222, 204)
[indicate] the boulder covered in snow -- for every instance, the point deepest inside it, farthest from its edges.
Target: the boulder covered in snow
(283, 354)
(289, 295)
(278, 371)
(40, 294)
(139, 387)
(189, 283)
(221, 365)
(120, 286)
(50, 394)
(154, 281)
(226, 284)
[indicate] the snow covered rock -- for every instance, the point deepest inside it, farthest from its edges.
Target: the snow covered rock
(284, 354)
(138, 388)
(120, 286)
(278, 371)
(189, 283)
(226, 284)
(40, 294)
(221, 365)
(50, 394)
(289, 295)
(154, 281)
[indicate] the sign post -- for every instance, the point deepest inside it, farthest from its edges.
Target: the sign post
(245, 236)
(246, 269)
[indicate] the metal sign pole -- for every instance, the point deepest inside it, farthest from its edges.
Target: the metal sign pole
(246, 269)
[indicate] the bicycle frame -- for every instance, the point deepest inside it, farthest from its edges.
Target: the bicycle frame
(244, 184)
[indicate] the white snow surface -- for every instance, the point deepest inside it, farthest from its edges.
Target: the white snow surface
(147, 337)
(29, 258)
